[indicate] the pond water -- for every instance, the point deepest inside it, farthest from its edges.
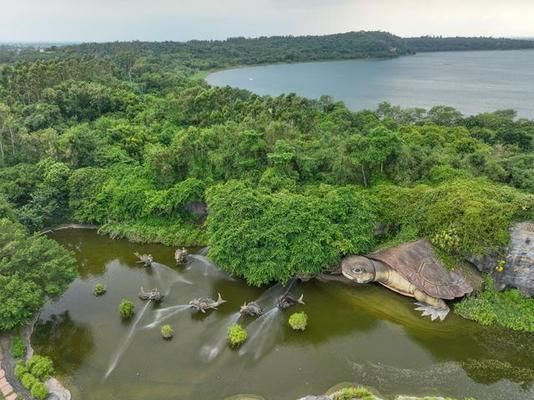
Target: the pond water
(364, 334)
(471, 81)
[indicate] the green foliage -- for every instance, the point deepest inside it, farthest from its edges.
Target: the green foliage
(353, 393)
(236, 335)
(298, 321)
(41, 367)
(99, 289)
(167, 332)
(508, 309)
(267, 237)
(33, 267)
(33, 373)
(126, 309)
(20, 370)
(39, 391)
(28, 380)
(461, 216)
(18, 348)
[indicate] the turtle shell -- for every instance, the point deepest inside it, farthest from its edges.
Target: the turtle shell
(417, 262)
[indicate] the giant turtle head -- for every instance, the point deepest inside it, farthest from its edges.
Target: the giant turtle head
(358, 269)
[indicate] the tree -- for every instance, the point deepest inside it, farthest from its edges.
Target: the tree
(32, 269)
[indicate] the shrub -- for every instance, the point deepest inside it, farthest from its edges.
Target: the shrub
(353, 393)
(99, 289)
(40, 366)
(20, 370)
(28, 380)
(298, 321)
(167, 332)
(508, 309)
(18, 348)
(236, 335)
(39, 391)
(126, 308)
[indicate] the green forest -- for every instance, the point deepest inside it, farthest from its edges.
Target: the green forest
(127, 137)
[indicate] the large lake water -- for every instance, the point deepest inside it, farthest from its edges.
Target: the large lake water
(364, 334)
(473, 82)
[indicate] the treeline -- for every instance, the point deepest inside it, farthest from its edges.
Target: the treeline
(438, 43)
(204, 55)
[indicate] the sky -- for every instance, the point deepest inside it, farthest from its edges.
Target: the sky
(157, 20)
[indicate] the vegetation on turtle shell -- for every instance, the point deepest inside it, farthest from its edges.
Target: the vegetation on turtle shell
(298, 321)
(236, 335)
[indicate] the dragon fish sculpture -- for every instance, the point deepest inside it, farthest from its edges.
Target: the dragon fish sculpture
(145, 259)
(251, 309)
(153, 295)
(180, 255)
(288, 300)
(203, 304)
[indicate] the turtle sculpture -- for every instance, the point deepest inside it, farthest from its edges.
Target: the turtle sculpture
(251, 309)
(145, 259)
(180, 255)
(152, 295)
(288, 300)
(411, 269)
(203, 304)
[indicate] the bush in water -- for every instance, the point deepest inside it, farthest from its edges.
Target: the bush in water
(126, 308)
(298, 321)
(99, 289)
(236, 335)
(359, 393)
(167, 332)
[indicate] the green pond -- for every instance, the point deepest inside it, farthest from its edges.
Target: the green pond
(364, 334)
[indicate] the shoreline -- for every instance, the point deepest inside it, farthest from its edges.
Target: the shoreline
(57, 391)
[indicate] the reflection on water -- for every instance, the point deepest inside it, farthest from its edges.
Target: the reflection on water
(363, 334)
(59, 331)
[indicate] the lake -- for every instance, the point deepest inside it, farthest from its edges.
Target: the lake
(364, 334)
(471, 81)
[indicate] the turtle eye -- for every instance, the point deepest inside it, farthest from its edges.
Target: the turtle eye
(356, 270)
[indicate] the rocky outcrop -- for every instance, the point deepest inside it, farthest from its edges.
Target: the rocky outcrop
(486, 263)
(518, 272)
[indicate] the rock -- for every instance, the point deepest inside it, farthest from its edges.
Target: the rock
(57, 390)
(485, 262)
(518, 271)
(323, 397)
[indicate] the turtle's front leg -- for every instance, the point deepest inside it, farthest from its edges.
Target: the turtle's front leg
(431, 306)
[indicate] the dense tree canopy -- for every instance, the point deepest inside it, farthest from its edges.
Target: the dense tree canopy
(31, 269)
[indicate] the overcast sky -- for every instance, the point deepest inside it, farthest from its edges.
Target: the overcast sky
(110, 20)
